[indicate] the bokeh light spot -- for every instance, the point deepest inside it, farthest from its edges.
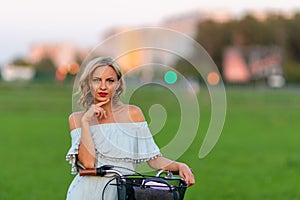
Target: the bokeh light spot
(170, 77)
(213, 78)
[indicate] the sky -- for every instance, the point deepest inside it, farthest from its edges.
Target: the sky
(23, 23)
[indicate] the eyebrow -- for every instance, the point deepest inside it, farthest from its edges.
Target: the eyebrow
(110, 77)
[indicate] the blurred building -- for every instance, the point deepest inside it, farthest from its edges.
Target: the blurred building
(65, 56)
(17, 73)
(123, 47)
(60, 53)
(186, 23)
(254, 63)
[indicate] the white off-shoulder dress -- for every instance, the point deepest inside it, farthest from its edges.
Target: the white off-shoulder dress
(119, 144)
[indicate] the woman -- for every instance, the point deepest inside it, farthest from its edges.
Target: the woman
(109, 132)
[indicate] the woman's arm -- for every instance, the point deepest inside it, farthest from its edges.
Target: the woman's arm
(169, 165)
(86, 149)
(161, 162)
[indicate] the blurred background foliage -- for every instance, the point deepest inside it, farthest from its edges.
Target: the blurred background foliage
(275, 29)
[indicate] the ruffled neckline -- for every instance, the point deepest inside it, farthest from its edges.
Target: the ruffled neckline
(114, 124)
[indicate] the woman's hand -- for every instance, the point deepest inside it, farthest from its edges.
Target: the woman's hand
(186, 173)
(169, 165)
(95, 110)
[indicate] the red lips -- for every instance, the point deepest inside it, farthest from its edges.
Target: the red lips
(102, 94)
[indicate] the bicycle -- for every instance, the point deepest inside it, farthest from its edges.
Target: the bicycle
(141, 187)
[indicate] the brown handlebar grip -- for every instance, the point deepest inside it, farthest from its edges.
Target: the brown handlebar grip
(88, 172)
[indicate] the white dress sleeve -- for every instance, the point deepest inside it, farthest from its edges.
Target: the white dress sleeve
(125, 142)
(73, 151)
(130, 142)
(145, 146)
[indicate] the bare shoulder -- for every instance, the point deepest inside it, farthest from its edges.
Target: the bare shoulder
(135, 113)
(74, 120)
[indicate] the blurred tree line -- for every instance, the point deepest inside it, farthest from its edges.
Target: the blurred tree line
(275, 29)
(45, 69)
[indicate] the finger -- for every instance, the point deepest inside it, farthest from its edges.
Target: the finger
(188, 177)
(99, 109)
(102, 103)
(97, 112)
(191, 180)
(101, 114)
(184, 177)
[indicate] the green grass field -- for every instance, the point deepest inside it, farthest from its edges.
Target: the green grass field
(256, 157)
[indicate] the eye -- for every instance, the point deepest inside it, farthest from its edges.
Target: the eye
(96, 80)
(111, 80)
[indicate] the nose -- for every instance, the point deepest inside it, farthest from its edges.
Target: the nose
(102, 85)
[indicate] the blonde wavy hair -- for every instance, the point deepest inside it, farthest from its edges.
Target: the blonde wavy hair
(86, 99)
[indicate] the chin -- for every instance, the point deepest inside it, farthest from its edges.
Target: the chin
(101, 99)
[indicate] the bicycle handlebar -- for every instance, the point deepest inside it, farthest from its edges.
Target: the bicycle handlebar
(105, 169)
(88, 172)
(100, 171)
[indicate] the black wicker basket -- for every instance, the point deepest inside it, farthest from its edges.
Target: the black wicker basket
(136, 187)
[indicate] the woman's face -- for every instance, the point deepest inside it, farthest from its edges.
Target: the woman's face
(104, 83)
